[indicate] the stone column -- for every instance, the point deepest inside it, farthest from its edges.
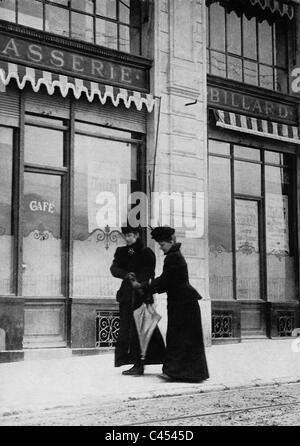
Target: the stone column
(179, 77)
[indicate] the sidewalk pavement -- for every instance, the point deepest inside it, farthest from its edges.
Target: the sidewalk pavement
(78, 381)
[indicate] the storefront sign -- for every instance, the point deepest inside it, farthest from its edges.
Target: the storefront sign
(250, 105)
(41, 214)
(44, 57)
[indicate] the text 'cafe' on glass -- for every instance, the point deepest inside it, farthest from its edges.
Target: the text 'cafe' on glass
(253, 157)
(74, 102)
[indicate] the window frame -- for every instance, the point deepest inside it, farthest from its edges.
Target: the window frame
(95, 16)
(234, 141)
(259, 64)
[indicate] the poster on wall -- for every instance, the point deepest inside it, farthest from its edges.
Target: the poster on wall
(277, 234)
(246, 226)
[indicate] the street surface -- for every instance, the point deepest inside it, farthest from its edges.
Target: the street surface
(276, 405)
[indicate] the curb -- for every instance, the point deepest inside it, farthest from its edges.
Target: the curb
(173, 392)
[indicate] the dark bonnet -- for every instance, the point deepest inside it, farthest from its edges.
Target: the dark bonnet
(162, 233)
(130, 229)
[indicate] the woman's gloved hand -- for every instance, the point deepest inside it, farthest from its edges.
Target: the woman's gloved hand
(131, 276)
(148, 298)
(136, 285)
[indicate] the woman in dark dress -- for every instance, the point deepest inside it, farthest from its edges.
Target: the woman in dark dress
(134, 261)
(185, 354)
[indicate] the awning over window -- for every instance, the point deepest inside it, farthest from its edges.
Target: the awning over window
(259, 8)
(91, 90)
(258, 127)
(275, 6)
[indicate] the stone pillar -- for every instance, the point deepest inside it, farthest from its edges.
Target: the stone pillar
(179, 77)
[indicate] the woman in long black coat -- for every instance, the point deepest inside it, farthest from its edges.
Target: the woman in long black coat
(134, 261)
(185, 354)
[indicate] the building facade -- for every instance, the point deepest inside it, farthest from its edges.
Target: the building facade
(168, 96)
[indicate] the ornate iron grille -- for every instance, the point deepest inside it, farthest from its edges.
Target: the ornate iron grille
(222, 325)
(107, 328)
(285, 323)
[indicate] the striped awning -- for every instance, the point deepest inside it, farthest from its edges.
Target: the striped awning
(92, 90)
(258, 127)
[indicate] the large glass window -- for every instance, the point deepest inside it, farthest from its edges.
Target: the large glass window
(43, 214)
(105, 172)
(251, 209)
(42, 235)
(112, 23)
(220, 223)
(247, 50)
(6, 211)
(280, 248)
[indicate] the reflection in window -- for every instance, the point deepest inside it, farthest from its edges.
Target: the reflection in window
(234, 41)
(6, 211)
(107, 8)
(112, 23)
(279, 238)
(42, 236)
(30, 13)
(220, 236)
(247, 250)
(106, 34)
(44, 146)
(103, 169)
(247, 178)
(8, 10)
(57, 21)
(256, 52)
(276, 220)
(83, 5)
(82, 27)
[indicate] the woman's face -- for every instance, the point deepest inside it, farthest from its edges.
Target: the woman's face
(165, 246)
(131, 238)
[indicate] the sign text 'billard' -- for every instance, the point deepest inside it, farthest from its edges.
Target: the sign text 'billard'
(250, 105)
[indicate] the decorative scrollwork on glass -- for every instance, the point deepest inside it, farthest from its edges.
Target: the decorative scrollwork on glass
(107, 328)
(41, 235)
(285, 323)
(222, 325)
(108, 236)
(246, 248)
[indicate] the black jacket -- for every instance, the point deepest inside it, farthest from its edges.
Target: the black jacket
(174, 279)
(135, 258)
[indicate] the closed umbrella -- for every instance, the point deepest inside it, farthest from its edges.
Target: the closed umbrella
(146, 319)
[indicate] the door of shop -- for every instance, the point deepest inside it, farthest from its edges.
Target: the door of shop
(43, 212)
(248, 266)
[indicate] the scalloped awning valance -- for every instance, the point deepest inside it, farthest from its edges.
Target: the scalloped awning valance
(66, 84)
(278, 8)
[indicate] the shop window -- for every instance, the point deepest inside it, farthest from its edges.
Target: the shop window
(50, 153)
(114, 24)
(30, 13)
(279, 237)
(220, 223)
(252, 235)
(106, 169)
(247, 48)
(6, 211)
(43, 213)
(42, 235)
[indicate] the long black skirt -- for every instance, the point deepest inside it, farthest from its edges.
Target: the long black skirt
(185, 352)
(127, 350)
